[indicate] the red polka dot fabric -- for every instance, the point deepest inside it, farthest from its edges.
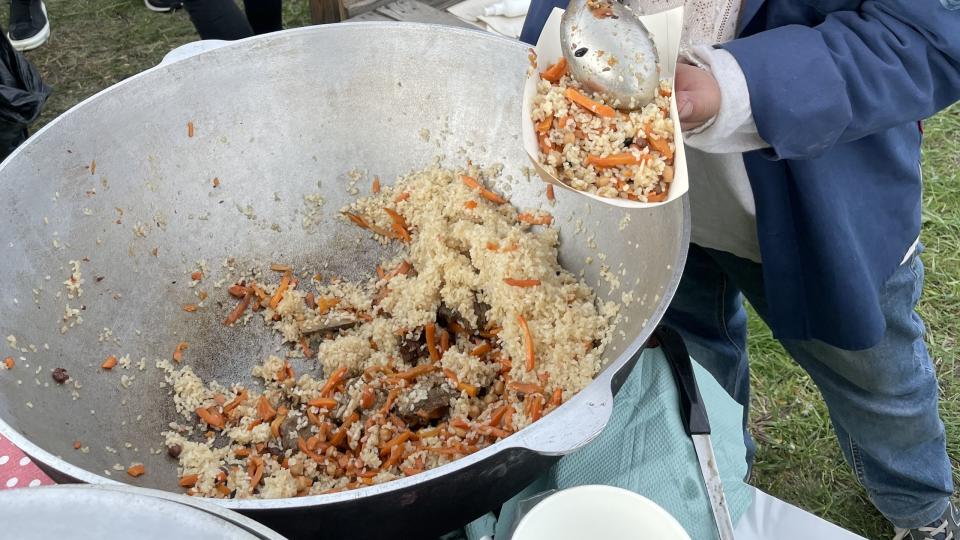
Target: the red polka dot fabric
(17, 470)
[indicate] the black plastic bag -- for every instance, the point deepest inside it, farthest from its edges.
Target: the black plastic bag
(22, 95)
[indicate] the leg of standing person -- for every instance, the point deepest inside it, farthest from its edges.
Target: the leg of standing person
(707, 309)
(218, 19)
(265, 16)
(882, 400)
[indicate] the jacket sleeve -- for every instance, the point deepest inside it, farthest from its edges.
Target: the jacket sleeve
(858, 72)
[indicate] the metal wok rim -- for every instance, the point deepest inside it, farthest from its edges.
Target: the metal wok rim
(600, 388)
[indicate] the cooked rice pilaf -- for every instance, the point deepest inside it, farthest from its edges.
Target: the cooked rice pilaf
(470, 335)
(588, 144)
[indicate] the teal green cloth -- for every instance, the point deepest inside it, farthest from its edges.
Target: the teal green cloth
(645, 449)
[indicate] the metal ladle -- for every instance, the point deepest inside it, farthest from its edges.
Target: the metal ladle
(610, 51)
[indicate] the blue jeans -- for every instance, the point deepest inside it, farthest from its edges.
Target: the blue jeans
(882, 400)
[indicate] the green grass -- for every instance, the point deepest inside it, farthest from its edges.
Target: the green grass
(96, 43)
(798, 458)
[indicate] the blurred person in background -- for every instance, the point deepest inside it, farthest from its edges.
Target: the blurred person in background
(29, 26)
(223, 19)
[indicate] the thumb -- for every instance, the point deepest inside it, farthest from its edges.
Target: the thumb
(692, 110)
(685, 106)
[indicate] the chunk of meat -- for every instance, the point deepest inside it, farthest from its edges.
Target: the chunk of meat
(433, 407)
(481, 309)
(412, 349)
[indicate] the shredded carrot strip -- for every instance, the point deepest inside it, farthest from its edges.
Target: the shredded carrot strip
(109, 363)
(543, 141)
(521, 282)
(188, 480)
(497, 415)
(401, 197)
(396, 441)
(190, 308)
(472, 183)
(662, 146)
(136, 470)
(555, 72)
(412, 373)
(508, 419)
(402, 268)
(324, 305)
(451, 450)
(527, 342)
(8, 362)
(491, 333)
(391, 397)
(534, 406)
(302, 445)
(196, 275)
(616, 160)
(216, 182)
(543, 126)
(265, 410)
(525, 388)
(657, 197)
(286, 370)
(492, 246)
(261, 294)
(550, 195)
(178, 351)
(241, 397)
(431, 331)
(275, 425)
(470, 205)
(481, 349)
(305, 345)
(367, 397)
(211, 417)
(541, 219)
(190, 129)
(491, 430)
(282, 288)
(400, 227)
(323, 403)
(411, 471)
(444, 342)
(395, 454)
(360, 221)
(254, 424)
(357, 220)
(237, 312)
(257, 473)
(457, 329)
(237, 291)
(376, 185)
(589, 104)
(556, 398)
(335, 379)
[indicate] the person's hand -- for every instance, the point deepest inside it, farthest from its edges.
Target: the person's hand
(698, 96)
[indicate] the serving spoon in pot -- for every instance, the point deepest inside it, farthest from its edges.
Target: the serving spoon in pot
(610, 51)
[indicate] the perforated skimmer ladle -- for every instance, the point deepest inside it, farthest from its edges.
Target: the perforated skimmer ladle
(609, 50)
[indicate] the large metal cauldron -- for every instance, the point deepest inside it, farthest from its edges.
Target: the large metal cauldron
(276, 118)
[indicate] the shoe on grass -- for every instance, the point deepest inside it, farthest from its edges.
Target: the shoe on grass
(945, 528)
(163, 5)
(29, 26)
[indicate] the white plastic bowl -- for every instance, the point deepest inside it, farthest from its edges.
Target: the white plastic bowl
(601, 513)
